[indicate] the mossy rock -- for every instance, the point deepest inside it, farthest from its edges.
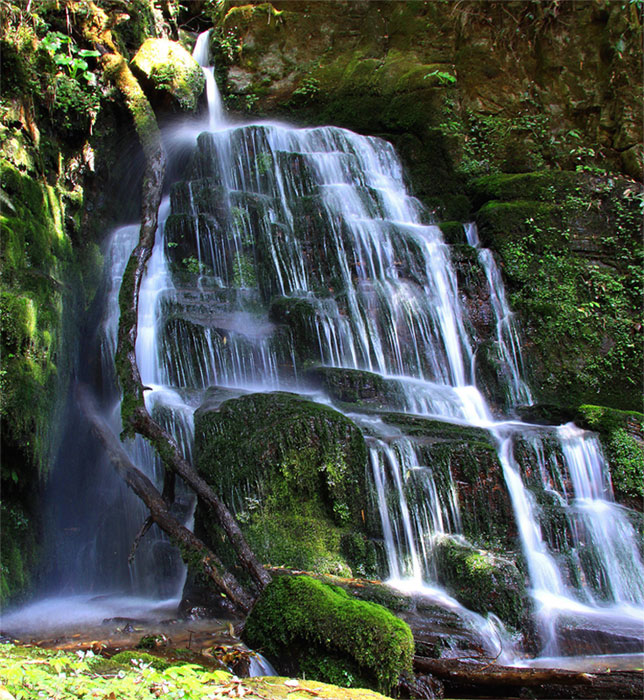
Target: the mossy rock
(304, 625)
(438, 430)
(41, 300)
(356, 386)
(482, 581)
(293, 471)
(570, 251)
(125, 658)
(168, 68)
(453, 232)
(298, 313)
(546, 186)
(512, 220)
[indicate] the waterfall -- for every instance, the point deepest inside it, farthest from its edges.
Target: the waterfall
(201, 54)
(320, 220)
(315, 227)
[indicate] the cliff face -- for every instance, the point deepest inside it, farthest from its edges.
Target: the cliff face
(542, 99)
(525, 116)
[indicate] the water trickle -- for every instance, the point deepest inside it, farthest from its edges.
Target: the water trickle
(507, 337)
(201, 54)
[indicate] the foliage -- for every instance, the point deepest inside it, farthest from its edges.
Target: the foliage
(193, 266)
(443, 77)
(626, 458)
(264, 162)
(68, 55)
(29, 673)
(309, 87)
(243, 271)
(225, 46)
(580, 314)
(331, 633)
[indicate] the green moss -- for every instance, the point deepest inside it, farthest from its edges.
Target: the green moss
(453, 231)
(482, 581)
(604, 419)
(546, 186)
(573, 267)
(299, 315)
(443, 430)
(311, 446)
(293, 472)
(330, 633)
(18, 549)
(125, 658)
(36, 296)
(356, 386)
(170, 68)
(27, 672)
(308, 543)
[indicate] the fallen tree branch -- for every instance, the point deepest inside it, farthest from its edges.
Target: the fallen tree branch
(191, 547)
(135, 416)
(147, 524)
(472, 680)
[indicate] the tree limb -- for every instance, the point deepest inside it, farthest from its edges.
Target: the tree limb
(193, 550)
(135, 416)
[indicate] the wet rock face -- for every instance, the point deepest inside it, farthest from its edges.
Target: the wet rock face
(294, 473)
(515, 90)
(404, 66)
(569, 248)
(482, 581)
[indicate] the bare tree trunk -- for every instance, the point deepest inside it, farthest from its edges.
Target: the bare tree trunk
(193, 550)
(135, 416)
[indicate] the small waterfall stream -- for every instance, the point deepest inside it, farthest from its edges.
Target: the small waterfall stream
(320, 220)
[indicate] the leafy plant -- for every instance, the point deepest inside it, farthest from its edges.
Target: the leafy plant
(442, 76)
(264, 162)
(67, 55)
(307, 88)
(194, 266)
(226, 45)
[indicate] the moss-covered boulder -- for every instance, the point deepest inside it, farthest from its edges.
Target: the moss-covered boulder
(165, 67)
(307, 627)
(482, 581)
(293, 471)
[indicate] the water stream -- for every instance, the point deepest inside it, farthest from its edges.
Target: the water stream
(321, 219)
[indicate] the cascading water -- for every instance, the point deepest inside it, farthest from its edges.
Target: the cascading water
(320, 217)
(319, 221)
